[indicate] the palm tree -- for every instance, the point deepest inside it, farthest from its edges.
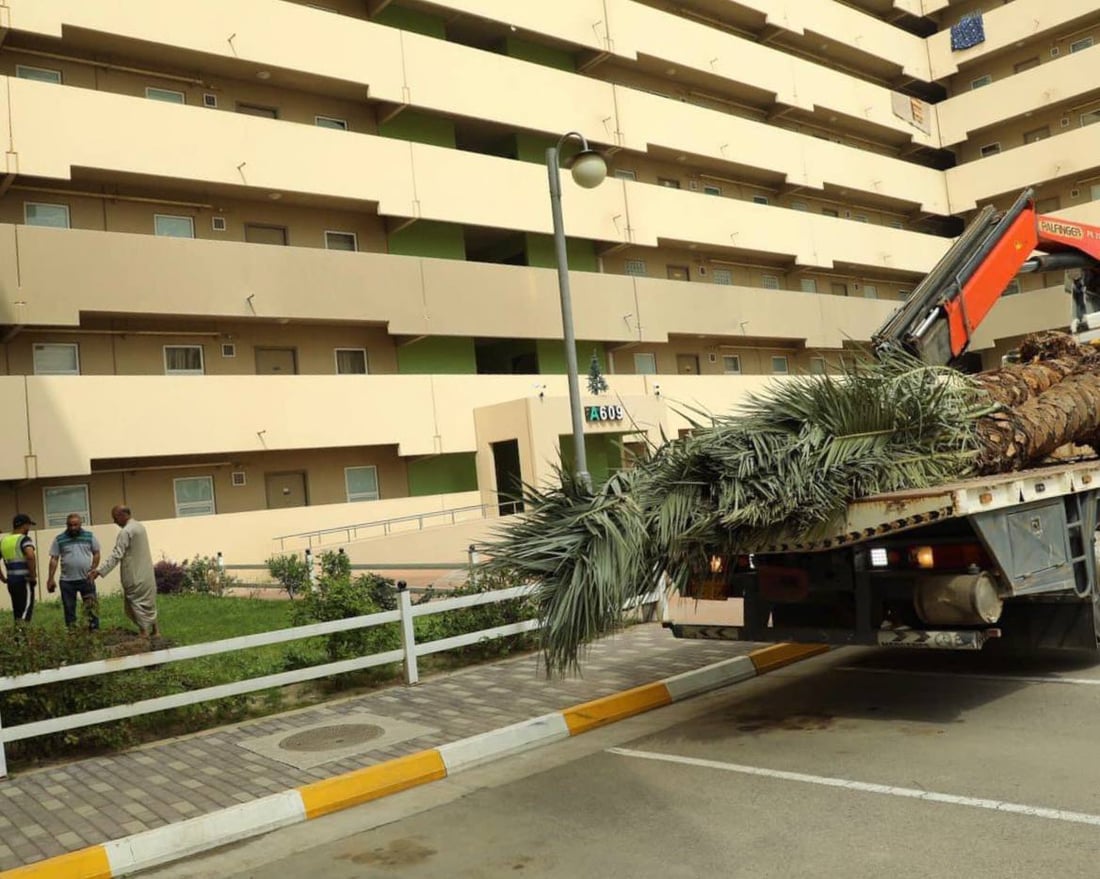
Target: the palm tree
(785, 466)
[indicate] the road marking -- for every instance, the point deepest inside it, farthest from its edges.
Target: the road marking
(1019, 679)
(865, 787)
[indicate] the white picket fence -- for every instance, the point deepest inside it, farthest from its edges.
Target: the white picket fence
(407, 654)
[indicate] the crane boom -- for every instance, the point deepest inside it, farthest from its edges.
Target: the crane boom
(938, 321)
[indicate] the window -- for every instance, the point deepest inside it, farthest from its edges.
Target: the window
(830, 212)
(1021, 66)
(635, 267)
(711, 189)
(645, 364)
(1078, 45)
(860, 218)
(56, 359)
(1013, 287)
(678, 273)
(895, 224)
(169, 96)
(722, 276)
(194, 495)
(769, 282)
(799, 206)
(1089, 118)
(625, 174)
(341, 241)
(870, 291)
(731, 364)
(981, 81)
(838, 289)
(668, 182)
(780, 364)
(1037, 134)
(39, 214)
(257, 110)
(59, 501)
(1048, 205)
(904, 294)
(168, 226)
(808, 285)
(351, 361)
(760, 199)
(38, 74)
(257, 233)
(1094, 191)
(183, 360)
(361, 483)
(331, 122)
(817, 366)
(990, 149)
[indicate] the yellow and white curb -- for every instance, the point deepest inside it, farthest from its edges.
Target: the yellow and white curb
(141, 851)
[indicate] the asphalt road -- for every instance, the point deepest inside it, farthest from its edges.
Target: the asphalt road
(857, 764)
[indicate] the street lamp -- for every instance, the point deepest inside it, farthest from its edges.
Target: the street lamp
(589, 170)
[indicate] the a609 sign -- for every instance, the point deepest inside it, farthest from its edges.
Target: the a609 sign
(604, 413)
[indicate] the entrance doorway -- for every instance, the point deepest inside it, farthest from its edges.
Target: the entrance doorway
(286, 490)
(687, 364)
(276, 361)
(508, 476)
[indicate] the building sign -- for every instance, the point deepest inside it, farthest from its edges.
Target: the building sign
(596, 414)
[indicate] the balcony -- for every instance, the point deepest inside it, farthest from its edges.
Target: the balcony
(1019, 95)
(1075, 153)
(1005, 26)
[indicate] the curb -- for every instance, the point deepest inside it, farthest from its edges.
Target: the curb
(152, 848)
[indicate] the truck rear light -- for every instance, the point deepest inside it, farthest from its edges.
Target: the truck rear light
(922, 557)
(949, 557)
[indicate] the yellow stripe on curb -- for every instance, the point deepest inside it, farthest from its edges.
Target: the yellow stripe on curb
(599, 712)
(88, 863)
(363, 785)
(779, 655)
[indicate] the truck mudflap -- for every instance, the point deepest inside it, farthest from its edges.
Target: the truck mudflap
(912, 639)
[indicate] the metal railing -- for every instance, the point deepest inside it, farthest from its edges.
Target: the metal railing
(385, 527)
(407, 654)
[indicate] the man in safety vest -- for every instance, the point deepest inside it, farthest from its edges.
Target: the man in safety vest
(17, 551)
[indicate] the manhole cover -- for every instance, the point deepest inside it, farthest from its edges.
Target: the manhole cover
(330, 738)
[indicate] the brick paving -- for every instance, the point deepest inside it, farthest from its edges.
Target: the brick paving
(53, 810)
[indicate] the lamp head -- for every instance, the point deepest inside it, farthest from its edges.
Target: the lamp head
(588, 169)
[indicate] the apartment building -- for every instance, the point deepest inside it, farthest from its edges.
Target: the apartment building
(270, 266)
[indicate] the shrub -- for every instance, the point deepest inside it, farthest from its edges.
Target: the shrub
(201, 574)
(291, 571)
(170, 577)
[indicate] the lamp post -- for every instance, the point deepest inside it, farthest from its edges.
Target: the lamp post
(589, 171)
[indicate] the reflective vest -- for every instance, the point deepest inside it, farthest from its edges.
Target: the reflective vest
(11, 549)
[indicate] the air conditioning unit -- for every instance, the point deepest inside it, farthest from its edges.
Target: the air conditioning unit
(209, 100)
(217, 224)
(1065, 121)
(712, 357)
(239, 479)
(701, 271)
(1053, 51)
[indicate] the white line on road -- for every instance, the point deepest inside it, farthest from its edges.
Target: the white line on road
(865, 787)
(1019, 679)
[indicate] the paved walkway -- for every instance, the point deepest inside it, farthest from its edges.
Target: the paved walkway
(50, 811)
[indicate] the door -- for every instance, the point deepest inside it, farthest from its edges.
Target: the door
(679, 273)
(258, 233)
(508, 476)
(276, 361)
(687, 364)
(286, 490)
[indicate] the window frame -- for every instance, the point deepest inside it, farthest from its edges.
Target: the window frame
(213, 511)
(770, 282)
(725, 273)
(810, 283)
(189, 219)
(202, 361)
(48, 204)
(870, 291)
(817, 359)
(669, 182)
(60, 74)
(652, 358)
(711, 189)
(1093, 115)
(625, 174)
(989, 149)
(981, 81)
(85, 514)
(377, 484)
(786, 364)
(1081, 44)
(354, 240)
(76, 356)
(627, 263)
(164, 100)
(761, 199)
(336, 361)
(343, 126)
(726, 358)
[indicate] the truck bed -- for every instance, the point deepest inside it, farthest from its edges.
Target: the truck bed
(898, 511)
